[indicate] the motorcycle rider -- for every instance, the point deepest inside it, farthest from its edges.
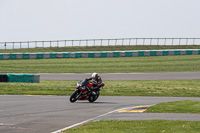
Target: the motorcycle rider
(96, 79)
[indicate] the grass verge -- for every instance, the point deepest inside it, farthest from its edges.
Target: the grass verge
(99, 48)
(175, 88)
(186, 106)
(189, 63)
(138, 126)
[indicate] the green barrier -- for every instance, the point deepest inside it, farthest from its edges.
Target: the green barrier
(91, 54)
(25, 56)
(140, 53)
(27, 78)
(129, 53)
(103, 54)
(116, 54)
(165, 52)
(13, 56)
(96, 54)
(66, 55)
(177, 52)
(40, 56)
(153, 53)
(78, 54)
(53, 55)
(188, 52)
(1, 56)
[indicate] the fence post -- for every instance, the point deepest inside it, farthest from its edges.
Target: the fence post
(72, 43)
(43, 44)
(79, 43)
(193, 41)
(122, 42)
(150, 41)
(101, 42)
(157, 41)
(13, 45)
(5, 45)
(36, 44)
(65, 43)
(115, 42)
(187, 41)
(28, 45)
(179, 41)
(129, 41)
(50, 44)
(143, 41)
(165, 42)
(86, 42)
(172, 41)
(20, 45)
(108, 42)
(136, 41)
(94, 42)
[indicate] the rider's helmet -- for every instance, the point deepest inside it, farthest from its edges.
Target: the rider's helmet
(95, 76)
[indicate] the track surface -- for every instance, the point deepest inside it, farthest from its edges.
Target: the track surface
(31, 114)
(123, 76)
(44, 114)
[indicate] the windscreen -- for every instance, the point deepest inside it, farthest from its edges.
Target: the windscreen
(84, 82)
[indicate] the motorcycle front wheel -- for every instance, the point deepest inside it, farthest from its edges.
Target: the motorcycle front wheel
(75, 96)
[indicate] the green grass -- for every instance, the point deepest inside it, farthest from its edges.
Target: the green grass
(138, 126)
(175, 88)
(188, 63)
(99, 48)
(186, 106)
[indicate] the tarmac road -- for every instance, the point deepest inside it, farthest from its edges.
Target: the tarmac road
(122, 76)
(44, 114)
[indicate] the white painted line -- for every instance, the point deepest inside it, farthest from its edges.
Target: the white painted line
(6, 124)
(86, 121)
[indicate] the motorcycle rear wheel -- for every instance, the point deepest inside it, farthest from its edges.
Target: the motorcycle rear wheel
(75, 96)
(93, 98)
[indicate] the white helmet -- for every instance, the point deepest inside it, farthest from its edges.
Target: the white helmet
(95, 76)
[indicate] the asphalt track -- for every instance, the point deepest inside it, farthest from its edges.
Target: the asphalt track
(44, 114)
(31, 114)
(122, 76)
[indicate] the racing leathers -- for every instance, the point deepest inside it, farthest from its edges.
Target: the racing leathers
(96, 83)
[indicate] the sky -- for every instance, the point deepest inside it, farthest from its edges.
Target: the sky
(39, 20)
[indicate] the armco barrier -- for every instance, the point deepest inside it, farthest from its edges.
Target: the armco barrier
(99, 54)
(25, 78)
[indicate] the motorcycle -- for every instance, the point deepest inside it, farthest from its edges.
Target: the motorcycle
(83, 92)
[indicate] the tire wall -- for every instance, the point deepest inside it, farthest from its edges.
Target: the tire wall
(99, 54)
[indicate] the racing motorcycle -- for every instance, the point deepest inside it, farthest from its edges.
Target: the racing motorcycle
(83, 92)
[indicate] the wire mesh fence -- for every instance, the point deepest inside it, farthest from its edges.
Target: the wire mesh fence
(100, 42)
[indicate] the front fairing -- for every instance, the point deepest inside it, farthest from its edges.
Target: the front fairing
(82, 85)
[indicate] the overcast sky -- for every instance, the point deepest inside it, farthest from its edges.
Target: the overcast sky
(26, 20)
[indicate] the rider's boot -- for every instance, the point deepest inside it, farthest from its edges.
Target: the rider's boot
(93, 91)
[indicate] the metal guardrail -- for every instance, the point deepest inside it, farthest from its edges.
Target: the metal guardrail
(100, 42)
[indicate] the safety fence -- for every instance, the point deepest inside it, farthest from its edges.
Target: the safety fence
(26, 78)
(99, 54)
(100, 42)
